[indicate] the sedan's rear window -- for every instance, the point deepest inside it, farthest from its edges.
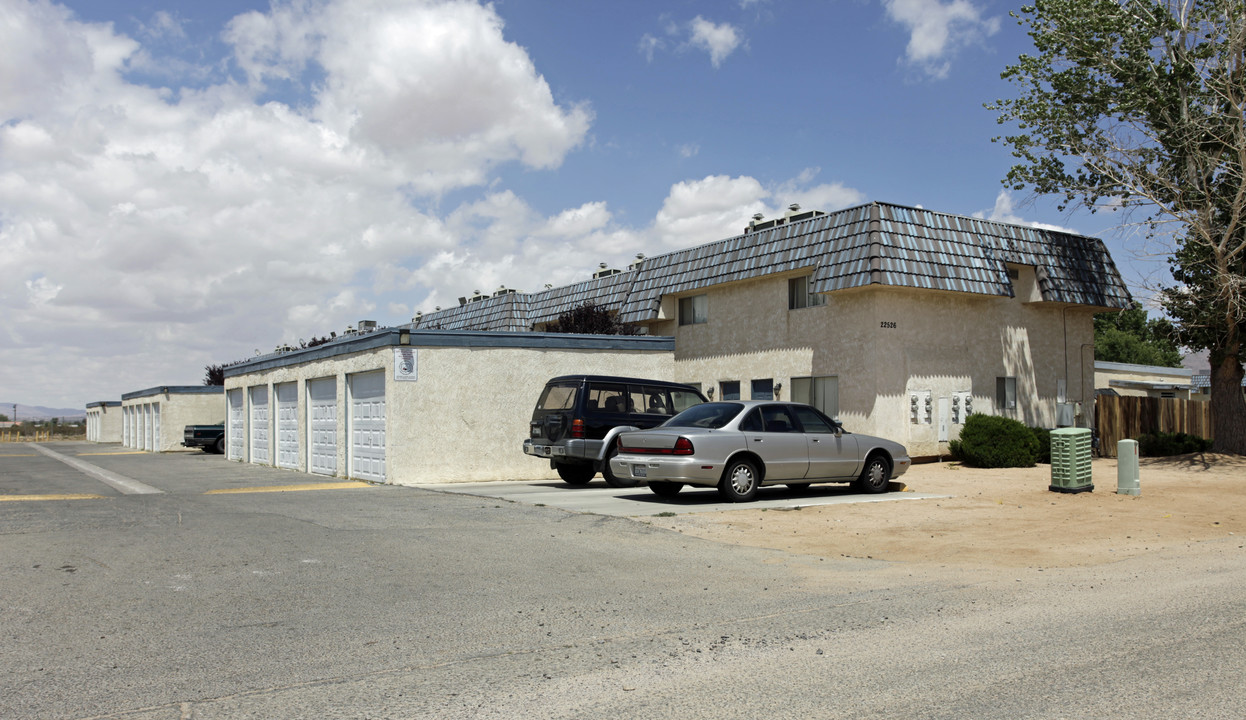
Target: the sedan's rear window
(557, 397)
(706, 415)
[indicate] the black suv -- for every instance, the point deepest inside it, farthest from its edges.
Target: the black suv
(577, 417)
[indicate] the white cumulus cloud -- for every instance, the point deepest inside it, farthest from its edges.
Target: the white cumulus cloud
(938, 29)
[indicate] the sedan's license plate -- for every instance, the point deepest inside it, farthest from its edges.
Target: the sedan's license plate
(640, 471)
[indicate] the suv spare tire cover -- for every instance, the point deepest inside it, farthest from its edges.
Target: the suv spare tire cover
(553, 427)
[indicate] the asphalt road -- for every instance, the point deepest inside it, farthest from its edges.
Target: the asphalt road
(342, 600)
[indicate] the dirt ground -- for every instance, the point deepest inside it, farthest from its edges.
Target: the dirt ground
(1006, 518)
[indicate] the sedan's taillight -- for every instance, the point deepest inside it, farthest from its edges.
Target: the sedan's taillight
(683, 446)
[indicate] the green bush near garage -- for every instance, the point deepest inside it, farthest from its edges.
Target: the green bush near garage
(1165, 444)
(990, 441)
(1043, 436)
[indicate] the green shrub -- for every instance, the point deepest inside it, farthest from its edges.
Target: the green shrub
(990, 441)
(1043, 436)
(1165, 444)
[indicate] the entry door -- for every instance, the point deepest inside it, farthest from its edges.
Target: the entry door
(260, 442)
(322, 425)
(367, 426)
(237, 425)
(287, 425)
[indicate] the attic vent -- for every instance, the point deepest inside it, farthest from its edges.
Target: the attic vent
(1014, 274)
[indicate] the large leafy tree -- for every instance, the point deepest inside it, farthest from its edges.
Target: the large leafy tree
(589, 319)
(1129, 336)
(1139, 104)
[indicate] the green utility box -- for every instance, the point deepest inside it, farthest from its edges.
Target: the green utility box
(1070, 460)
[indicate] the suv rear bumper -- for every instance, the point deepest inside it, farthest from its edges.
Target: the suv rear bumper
(586, 450)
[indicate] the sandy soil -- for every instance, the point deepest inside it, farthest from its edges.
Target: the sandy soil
(1006, 518)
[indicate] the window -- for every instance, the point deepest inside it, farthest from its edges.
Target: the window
(812, 421)
(682, 400)
(729, 390)
(820, 392)
(694, 310)
(607, 398)
(557, 397)
(763, 389)
(800, 294)
(752, 423)
(650, 400)
(1005, 393)
(778, 419)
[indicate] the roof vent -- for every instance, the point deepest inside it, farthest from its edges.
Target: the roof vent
(503, 290)
(640, 257)
(752, 224)
(604, 270)
(367, 326)
(792, 209)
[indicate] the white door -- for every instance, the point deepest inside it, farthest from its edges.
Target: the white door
(156, 442)
(367, 426)
(237, 425)
(287, 425)
(260, 442)
(322, 426)
(147, 444)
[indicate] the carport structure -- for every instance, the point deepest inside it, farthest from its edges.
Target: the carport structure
(407, 406)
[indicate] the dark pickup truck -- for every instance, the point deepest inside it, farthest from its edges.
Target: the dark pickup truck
(209, 437)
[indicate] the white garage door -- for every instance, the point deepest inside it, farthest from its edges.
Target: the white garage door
(260, 442)
(322, 425)
(367, 426)
(237, 425)
(156, 442)
(147, 427)
(287, 425)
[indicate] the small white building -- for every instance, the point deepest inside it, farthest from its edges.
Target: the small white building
(1144, 380)
(154, 419)
(104, 421)
(407, 406)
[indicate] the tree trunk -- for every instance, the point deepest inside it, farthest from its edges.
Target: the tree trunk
(1228, 406)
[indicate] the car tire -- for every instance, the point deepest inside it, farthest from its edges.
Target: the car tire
(608, 475)
(575, 473)
(219, 446)
(876, 475)
(665, 489)
(739, 483)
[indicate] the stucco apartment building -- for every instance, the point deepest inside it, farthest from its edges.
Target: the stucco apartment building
(899, 321)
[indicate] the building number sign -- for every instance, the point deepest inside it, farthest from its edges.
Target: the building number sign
(887, 325)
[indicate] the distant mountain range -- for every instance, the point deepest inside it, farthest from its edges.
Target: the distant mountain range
(35, 412)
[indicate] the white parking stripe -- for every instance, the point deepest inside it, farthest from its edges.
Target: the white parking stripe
(121, 483)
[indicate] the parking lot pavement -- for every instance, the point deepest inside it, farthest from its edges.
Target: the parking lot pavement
(601, 499)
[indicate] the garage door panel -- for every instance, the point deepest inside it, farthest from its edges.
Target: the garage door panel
(322, 425)
(287, 426)
(367, 423)
(260, 423)
(237, 425)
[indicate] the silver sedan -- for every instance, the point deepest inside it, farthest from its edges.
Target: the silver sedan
(741, 446)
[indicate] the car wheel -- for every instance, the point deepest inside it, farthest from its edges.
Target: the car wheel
(608, 475)
(739, 483)
(875, 476)
(575, 474)
(798, 487)
(665, 489)
(219, 447)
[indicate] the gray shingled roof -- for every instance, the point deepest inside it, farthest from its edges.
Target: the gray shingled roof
(866, 245)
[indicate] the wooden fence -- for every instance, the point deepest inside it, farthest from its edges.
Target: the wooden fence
(1123, 418)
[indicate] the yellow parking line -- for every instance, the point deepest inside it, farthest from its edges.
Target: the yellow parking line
(24, 498)
(291, 488)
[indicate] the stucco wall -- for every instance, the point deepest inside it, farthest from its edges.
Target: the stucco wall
(104, 424)
(885, 343)
(1132, 380)
(466, 415)
(177, 410)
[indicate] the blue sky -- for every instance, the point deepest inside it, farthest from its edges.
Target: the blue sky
(187, 183)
